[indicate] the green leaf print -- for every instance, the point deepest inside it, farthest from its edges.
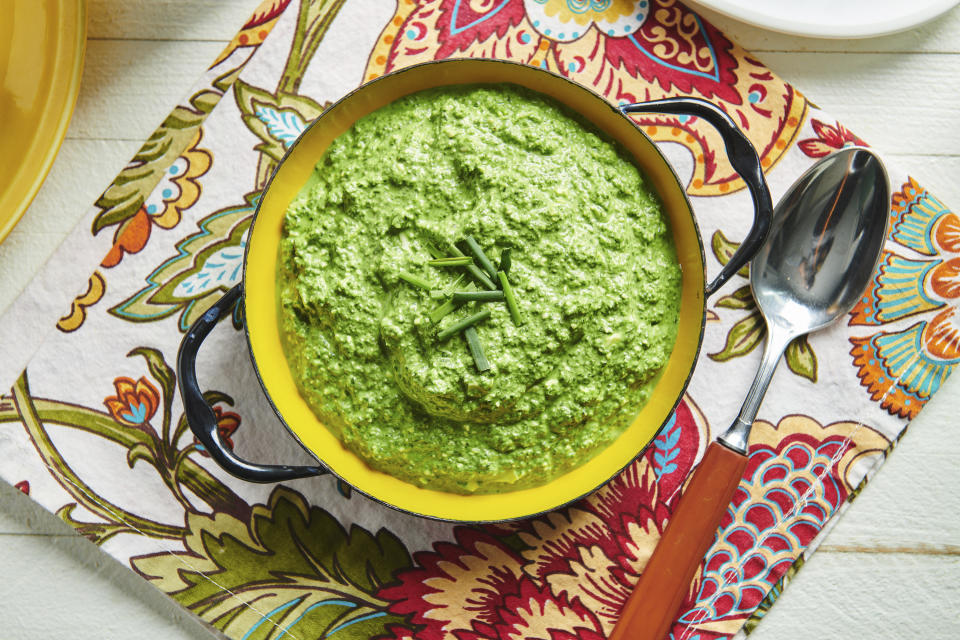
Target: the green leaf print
(139, 443)
(207, 263)
(313, 22)
(141, 451)
(290, 571)
(724, 249)
(801, 359)
(742, 298)
(117, 520)
(743, 338)
(277, 119)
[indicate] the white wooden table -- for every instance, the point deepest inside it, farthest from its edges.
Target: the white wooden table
(891, 568)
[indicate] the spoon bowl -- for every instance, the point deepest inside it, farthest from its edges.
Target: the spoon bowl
(813, 269)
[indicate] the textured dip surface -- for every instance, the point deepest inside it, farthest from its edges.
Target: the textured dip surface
(593, 268)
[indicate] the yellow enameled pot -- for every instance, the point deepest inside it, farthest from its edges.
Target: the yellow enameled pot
(258, 294)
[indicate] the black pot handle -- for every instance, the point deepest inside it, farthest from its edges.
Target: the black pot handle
(200, 415)
(744, 159)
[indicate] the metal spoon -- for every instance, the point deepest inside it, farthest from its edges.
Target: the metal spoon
(821, 253)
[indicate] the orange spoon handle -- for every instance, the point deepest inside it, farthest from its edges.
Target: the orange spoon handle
(653, 605)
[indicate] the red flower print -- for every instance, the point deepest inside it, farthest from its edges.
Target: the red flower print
(476, 590)
(538, 613)
(829, 139)
(135, 402)
(227, 423)
(565, 574)
(23, 486)
(458, 589)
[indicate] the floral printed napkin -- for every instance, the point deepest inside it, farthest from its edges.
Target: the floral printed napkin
(93, 428)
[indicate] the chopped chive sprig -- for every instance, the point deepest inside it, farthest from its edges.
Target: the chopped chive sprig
(442, 311)
(460, 325)
(477, 296)
(474, 270)
(504, 261)
(456, 261)
(439, 313)
(476, 349)
(481, 277)
(510, 298)
(480, 256)
(416, 281)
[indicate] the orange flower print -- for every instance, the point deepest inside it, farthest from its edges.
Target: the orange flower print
(135, 402)
(227, 423)
(916, 297)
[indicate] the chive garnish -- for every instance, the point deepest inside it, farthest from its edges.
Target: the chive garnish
(476, 349)
(511, 300)
(457, 261)
(456, 283)
(460, 325)
(475, 271)
(477, 296)
(433, 250)
(441, 312)
(481, 277)
(504, 261)
(480, 256)
(416, 281)
(469, 293)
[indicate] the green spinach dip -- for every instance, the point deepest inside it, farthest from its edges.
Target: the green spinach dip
(593, 269)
